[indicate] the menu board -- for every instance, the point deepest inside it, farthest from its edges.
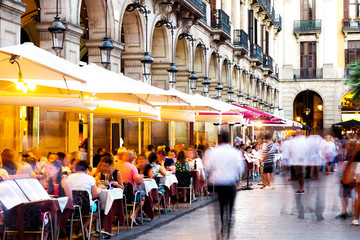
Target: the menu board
(18, 191)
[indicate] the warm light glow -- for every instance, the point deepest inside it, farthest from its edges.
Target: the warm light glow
(86, 97)
(20, 85)
(31, 87)
(320, 107)
(258, 124)
(298, 119)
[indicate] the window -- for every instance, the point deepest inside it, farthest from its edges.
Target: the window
(307, 10)
(308, 60)
(354, 8)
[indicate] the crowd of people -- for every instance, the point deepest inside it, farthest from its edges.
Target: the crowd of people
(121, 168)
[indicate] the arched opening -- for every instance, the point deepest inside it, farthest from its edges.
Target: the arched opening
(29, 32)
(159, 51)
(181, 56)
(224, 73)
(199, 66)
(314, 117)
(243, 82)
(213, 72)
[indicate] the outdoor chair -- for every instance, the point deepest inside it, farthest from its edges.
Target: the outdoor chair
(185, 182)
(82, 207)
(132, 200)
(33, 221)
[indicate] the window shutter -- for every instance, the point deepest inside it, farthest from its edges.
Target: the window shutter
(346, 9)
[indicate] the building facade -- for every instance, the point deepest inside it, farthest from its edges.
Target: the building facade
(269, 51)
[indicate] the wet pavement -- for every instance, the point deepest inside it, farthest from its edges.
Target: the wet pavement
(271, 214)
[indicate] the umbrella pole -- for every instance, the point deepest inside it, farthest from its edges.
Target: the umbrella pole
(231, 134)
(197, 133)
(172, 134)
(216, 134)
(139, 134)
(91, 138)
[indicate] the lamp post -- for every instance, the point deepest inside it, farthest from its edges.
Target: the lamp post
(219, 86)
(57, 30)
(307, 110)
(240, 95)
(193, 77)
(206, 82)
(173, 69)
(147, 60)
(230, 91)
(106, 46)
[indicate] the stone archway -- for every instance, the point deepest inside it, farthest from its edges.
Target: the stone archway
(160, 52)
(308, 110)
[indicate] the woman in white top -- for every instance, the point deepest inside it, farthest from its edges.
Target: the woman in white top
(81, 181)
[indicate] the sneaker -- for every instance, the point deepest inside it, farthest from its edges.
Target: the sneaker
(341, 215)
(300, 192)
(272, 187)
(350, 215)
(266, 188)
(355, 222)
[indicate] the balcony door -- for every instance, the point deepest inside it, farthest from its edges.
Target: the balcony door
(307, 10)
(308, 60)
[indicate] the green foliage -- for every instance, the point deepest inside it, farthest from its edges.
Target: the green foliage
(354, 81)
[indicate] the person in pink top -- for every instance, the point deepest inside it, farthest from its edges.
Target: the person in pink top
(129, 174)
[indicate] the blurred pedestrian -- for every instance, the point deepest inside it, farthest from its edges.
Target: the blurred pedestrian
(226, 166)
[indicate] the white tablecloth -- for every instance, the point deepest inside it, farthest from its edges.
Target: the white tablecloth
(168, 180)
(147, 186)
(62, 202)
(107, 197)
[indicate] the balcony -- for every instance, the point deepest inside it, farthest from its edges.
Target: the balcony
(307, 26)
(256, 54)
(268, 63)
(278, 22)
(241, 41)
(197, 3)
(220, 21)
(312, 73)
(203, 9)
(351, 26)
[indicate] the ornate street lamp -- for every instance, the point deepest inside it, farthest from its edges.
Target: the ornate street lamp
(261, 105)
(57, 30)
(219, 86)
(147, 60)
(106, 47)
(267, 107)
(240, 97)
(230, 92)
(206, 82)
(193, 77)
(247, 100)
(173, 69)
(255, 102)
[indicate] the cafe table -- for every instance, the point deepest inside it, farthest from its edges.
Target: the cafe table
(151, 196)
(61, 210)
(111, 201)
(171, 192)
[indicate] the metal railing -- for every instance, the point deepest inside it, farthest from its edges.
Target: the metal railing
(204, 12)
(256, 52)
(241, 38)
(312, 73)
(307, 25)
(268, 62)
(351, 25)
(197, 3)
(219, 19)
(278, 20)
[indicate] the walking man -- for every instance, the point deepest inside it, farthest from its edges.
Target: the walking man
(226, 165)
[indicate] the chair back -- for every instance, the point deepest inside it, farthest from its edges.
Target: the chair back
(81, 198)
(32, 217)
(128, 192)
(183, 178)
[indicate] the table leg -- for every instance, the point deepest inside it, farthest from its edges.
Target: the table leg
(55, 226)
(20, 216)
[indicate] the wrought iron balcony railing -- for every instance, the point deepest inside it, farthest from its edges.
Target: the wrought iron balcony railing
(220, 20)
(241, 38)
(306, 26)
(256, 52)
(268, 62)
(278, 21)
(197, 3)
(203, 9)
(312, 73)
(351, 26)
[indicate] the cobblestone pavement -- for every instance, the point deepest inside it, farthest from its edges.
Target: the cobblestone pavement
(272, 214)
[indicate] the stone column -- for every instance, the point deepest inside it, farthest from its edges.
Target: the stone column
(10, 22)
(227, 8)
(94, 54)
(10, 27)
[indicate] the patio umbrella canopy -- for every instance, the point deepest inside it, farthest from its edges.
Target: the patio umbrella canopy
(350, 123)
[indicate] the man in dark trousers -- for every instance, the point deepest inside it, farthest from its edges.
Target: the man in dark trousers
(226, 166)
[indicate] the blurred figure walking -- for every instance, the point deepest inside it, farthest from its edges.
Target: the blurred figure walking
(226, 166)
